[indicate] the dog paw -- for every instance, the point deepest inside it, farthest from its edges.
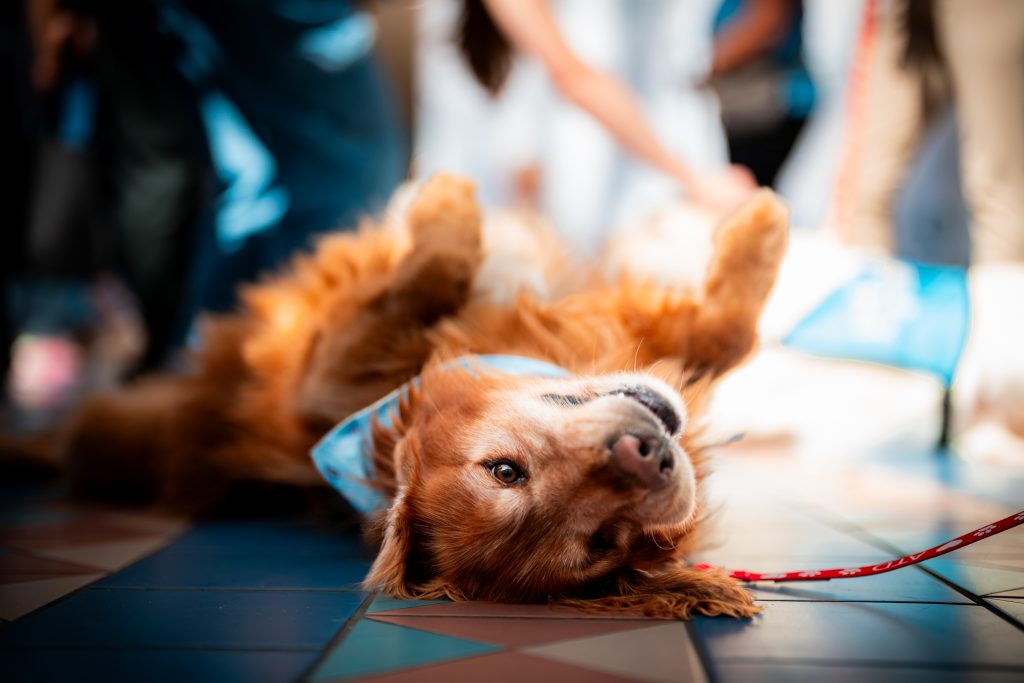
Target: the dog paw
(758, 230)
(445, 214)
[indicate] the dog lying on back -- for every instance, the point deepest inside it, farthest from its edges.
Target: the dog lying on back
(581, 490)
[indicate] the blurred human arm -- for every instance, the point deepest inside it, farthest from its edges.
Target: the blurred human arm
(51, 28)
(759, 25)
(530, 27)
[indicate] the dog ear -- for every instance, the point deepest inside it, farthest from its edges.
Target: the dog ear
(399, 570)
(390, 571)
(673, 591)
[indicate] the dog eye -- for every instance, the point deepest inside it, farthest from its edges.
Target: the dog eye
(506, 472)
(564, 399)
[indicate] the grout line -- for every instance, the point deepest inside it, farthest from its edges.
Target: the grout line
(704, 657)
(999, 594)
(863, 534)
(171, 539)
(339, 636)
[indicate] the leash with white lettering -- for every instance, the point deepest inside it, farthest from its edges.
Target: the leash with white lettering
(967, 539)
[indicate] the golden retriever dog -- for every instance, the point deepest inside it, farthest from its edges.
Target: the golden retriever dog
(580, 490)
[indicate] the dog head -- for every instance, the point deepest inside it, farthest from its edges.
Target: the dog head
(528, 489)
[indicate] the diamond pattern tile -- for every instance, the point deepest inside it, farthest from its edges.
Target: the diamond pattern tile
(503, 667)
(659, 654)
(382, 603)
(18, 599)
(497, 610)
(513, 633)
(109, 556)
(374, 647)
(93, 593)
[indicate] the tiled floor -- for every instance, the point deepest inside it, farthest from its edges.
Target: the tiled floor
(97, 595)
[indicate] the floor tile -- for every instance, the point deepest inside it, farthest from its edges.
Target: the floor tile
(791, 672)
(903, 585)
(661, 654)
(800, 537)
(67, 533)
(154, 666)
(382, 603)
(978, 580)
(945, 513)
(171, 569)
(23, 563)
(1014, 564)
(878, 632)
(154, 523)
(373, 647)
(186, 619)
(286, 538)
(109, 556)
(502, 667)
(498, 610)
(513, 633)
(986, 481)
(34, 515)
(1015, 608)
(18, 599)
(1007, 545)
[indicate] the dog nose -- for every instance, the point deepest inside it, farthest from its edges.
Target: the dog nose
(648, 458)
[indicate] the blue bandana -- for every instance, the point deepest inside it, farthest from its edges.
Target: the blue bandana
(342, 456)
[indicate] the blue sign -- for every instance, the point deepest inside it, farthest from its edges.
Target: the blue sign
(898, 313)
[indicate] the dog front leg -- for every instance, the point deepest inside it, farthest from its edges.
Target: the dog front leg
(714, 333)
(386, 342)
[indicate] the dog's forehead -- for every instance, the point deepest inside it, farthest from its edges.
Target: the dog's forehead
(517, 424)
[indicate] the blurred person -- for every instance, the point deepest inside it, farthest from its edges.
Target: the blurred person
(300, 126)
(924, 56)
(154, 161)
(759, 74)
(807, 179)
(224, 138)
(56, 234)
(490, 29)
(573, 163)
(16, 165)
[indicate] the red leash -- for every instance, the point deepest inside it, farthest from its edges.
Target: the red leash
(970, 537)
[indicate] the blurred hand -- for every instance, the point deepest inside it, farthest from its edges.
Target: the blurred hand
(722, 190)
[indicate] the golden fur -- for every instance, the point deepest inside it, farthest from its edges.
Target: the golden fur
(367, 312)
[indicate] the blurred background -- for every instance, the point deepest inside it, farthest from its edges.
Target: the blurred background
(160, 153)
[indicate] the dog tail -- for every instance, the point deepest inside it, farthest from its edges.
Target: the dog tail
(116, 446)
(122, 445)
